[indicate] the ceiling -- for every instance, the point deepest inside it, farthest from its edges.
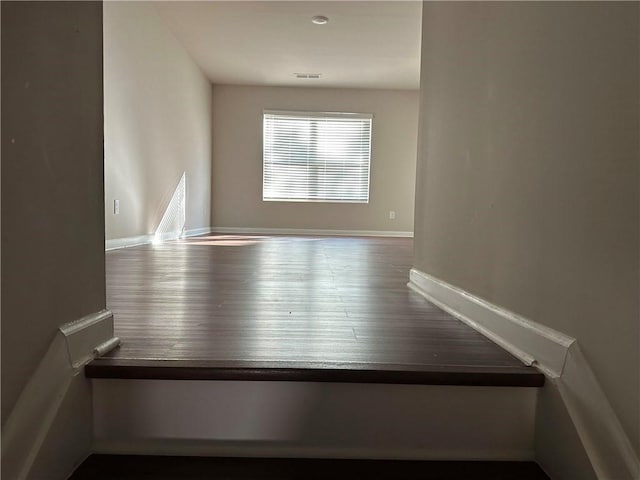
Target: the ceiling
(366, 44)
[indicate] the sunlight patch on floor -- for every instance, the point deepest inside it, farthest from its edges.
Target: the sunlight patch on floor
(225, 240)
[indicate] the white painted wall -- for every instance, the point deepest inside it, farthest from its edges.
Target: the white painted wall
(52, 184)
(157, 117)
(237, 159)
(52, 227)
(527, 186)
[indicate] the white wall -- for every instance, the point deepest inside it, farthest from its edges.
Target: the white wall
(527, 190)
(237, 159)
(52, 218)
(52, 183)
(157, 122)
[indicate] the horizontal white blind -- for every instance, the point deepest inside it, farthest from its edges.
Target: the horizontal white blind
(316, 156)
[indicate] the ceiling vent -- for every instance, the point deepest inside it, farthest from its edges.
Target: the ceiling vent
(307, 75)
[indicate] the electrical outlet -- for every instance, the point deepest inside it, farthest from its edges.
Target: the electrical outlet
(116, 207)
(392, 215)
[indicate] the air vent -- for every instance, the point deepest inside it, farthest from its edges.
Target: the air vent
(307, 75)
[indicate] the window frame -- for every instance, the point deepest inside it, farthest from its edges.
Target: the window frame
(318, 114)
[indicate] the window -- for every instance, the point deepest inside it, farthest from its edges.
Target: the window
(316, 157)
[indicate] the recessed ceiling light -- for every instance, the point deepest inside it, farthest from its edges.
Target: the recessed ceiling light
(320, 20)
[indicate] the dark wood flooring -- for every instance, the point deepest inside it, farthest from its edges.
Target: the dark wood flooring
(294, 308)
(121, 467)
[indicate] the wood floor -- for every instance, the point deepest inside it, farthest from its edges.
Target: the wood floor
(122, 467)
(226, 306)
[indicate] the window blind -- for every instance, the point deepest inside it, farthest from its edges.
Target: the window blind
(322, 157)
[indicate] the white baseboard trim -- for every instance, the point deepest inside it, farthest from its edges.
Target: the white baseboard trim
(545, 347)
(117, 243)
(308, 231)
(38, 405)
(605, 441)
(193, 232)
(559, 357)
(166, 237)
(83, 335)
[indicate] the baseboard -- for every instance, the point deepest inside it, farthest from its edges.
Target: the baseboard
(84, 335)
(606, 443)
(117, 243)
(26, 431)
(559, 449)
(308, 231)
(166, 237)
(192, 232)
(126, 242)
(531, 342)
(249, 449)
(69, 439)
(559, 357)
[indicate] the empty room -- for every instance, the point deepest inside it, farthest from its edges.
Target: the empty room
(321, 239)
